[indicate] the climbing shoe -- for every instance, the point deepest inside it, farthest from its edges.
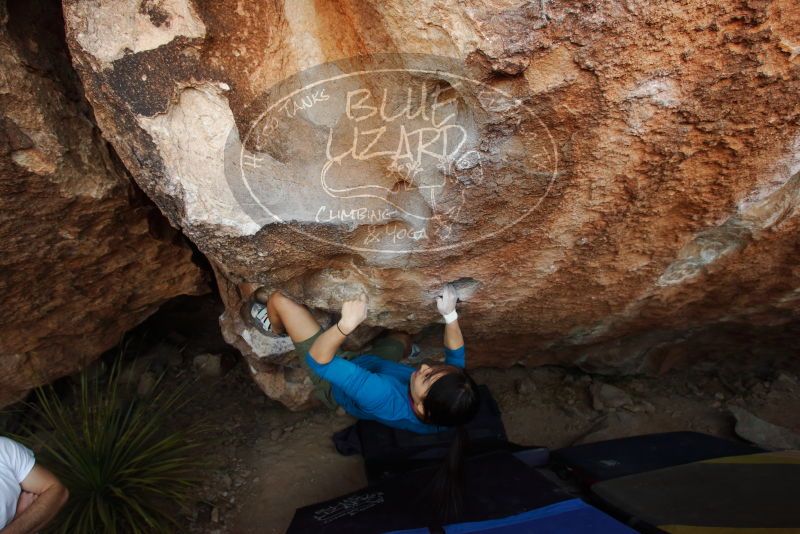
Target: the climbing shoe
(255, 314)
(415, 355)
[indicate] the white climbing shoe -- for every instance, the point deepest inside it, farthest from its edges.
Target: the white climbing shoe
(255, 314)
(259, 317)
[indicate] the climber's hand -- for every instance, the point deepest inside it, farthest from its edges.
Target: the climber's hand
(353, 313)
(446, 303)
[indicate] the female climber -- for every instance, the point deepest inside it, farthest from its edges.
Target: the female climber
(374, 385)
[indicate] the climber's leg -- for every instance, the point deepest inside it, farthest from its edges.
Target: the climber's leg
(403, 338)
(286, 315)
(393, 346)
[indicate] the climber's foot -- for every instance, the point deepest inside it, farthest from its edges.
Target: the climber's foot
(255, 314)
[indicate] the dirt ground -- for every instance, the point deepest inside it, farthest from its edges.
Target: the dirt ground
(270, 461)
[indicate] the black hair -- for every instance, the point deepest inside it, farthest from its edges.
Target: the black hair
(452, 401)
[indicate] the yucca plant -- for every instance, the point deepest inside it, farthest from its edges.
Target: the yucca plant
(125, 471)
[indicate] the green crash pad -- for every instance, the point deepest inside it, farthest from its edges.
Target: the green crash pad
(747, 494)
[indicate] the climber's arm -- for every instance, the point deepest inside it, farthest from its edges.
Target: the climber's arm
(453, 339)
(327, 344)
(370, 391)
(454, 353)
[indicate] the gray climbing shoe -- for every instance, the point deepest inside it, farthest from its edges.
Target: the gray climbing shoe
(255, 314)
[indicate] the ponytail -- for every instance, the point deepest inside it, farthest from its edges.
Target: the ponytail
(448, 483)
(452, 401)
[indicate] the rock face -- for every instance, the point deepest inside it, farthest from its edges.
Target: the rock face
(85, 256)
(602, 180)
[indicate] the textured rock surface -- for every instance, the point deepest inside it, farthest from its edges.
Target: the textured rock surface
(763, 433)
(652, 148)
(84, 256)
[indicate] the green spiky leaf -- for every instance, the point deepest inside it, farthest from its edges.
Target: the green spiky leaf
(125, 471)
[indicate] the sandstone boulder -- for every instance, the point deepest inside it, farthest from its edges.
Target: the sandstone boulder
(602, 179)
(85, 256)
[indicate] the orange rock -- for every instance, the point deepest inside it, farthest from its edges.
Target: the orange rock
(621, 174)
(85, 255)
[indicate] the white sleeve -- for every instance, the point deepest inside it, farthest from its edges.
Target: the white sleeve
(18, 458)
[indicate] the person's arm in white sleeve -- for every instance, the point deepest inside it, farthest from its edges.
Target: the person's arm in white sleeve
(51, 496)
(42, 493)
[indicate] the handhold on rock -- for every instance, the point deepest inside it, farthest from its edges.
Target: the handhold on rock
(763, 433)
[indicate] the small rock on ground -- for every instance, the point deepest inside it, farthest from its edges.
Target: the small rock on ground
(763, 433)
(606, 396)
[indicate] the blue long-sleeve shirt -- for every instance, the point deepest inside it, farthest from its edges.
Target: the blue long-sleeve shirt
(370, 387)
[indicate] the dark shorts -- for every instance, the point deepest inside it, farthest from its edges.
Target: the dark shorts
(384, 347)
